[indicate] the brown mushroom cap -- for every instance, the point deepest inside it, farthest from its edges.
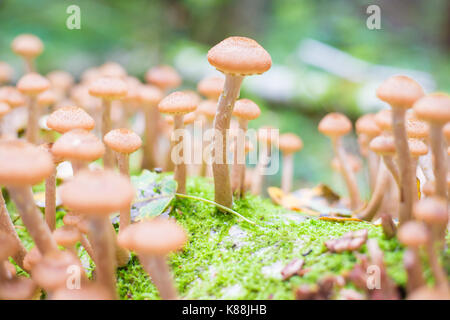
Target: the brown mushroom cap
(417, 147)
(27, 45)
(66, 236)
(8, 246)
(22, 163)
(367, 125)
(4, 108)
(384, 145)
(178, 103)
(290, 143)
(68, 118)
(335, 124)
(240, 56)
(60, 79)
(32, 84)
(434, 107)
(46, 98)
(413, 234)
(11, 96)
(86, 292)
(150, 95)
(155, 237)
(207, 108)
(246, 109)
(122, 140)
(108, 88)
(133, 85)
(211, 87)
(164, 77)
(6, 72)
(429, 188)
(431, 210)
(400, 91)
(97, 192)
(416, 128)
(112, 69)
(78, 144)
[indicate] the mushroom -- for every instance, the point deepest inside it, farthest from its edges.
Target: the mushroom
(335, 125)
(178, 103)
(237, 174)
(67, 237)
(418, 129)
(236, 57)
(69, 118)
(267, 136)
(123, 142)
(289, 144)
(31, 259)
(417, 148)
(112, 69)
(97, 194)
(384, 145)
(401, 92)
(31, 85)
(108, 89)
(21, 166)
(149, 97)
(164, 77)
(61, 82)
(211, 87)
(6, 73)
(207, 109)
(28, 47)
(152, 240)
(131, 101)
(75, 220)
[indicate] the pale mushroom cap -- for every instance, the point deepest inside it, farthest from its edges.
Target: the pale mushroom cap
(383, 118)
(112, 69)
(71, 219)
(78, 144)
(60, 79)
(384, 145)
(366, 125)
(150, 95)
(413, 234)
(290, 143)
(90, 75)
(11, 96)
(46, 98)
(22, 163)
(417, 147)
(164, 77)
(68, 118)
(207, 108)
(4, 108)
(211, 87)
(239, 56)
(434, 107)
(246, 109)
(155, 237)
(122, 140)
(32, 84)
(178, 103)
(400, 91)
(6, 72)
(27, 45)
(429, 188)
(99, 192)
(431, 210)
(108, 88)
(66, 236)
(335, 124)
(48, 148)
(417, 129)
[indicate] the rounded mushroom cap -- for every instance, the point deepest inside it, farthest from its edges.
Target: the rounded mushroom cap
(8, 246)
(11, 96)
(268, 134)
(86, 292)
(22, 163)
(246, 109)
(32, 84)
(108, 88)
(122, 140)
(384, 145)
(150, 95)
(383, 119)
(46, 98)
(133, 85)
(78, 144)
(335, 124)
(97, 192)
(27, 45)
(68, 118)
(19, 288)
(417, 147)
(367, 125)
(113, 70)
(4, 108)
(207, 108)
(31, 258)
(66, 236)
(413, 234)
(417, 129)
(400, 91)
(60, 79)
(434, 107)
(211, 87)
(178, 103)
(156, 237)
(290, 143)
(431, 210)
(239, 56)
(6, 72)
(164, 77)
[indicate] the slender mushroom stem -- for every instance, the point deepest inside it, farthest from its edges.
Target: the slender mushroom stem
(412, 263)
(264, 158)
(393, 169)
(407, 187)
(32, 126)
(222, 186)
(78, 165)
(235, 173)
(87, 246)
(32, 218)
(205, 145)
(123, 163)
(288, 171)
(108, 158)
(243, 125)
(180, 166)
(29, 65)
(7, 226)
(151, 137)
(373, 164)
(440, 159)
(50, 200)
(157, 268)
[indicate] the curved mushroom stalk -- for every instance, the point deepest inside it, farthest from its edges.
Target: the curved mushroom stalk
(393, 169)
(157, 268)
(373, 164)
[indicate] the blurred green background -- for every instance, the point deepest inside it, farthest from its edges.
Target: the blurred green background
(324, 56)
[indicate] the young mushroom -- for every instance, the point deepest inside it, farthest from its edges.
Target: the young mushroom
(152, 240)
(211, 87)
(164, 77)
(335, 125)
(28, 47)
(69, 118)
(236, 57)
(288, 144)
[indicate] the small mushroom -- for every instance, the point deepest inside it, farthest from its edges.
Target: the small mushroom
(289, 144)
(164, 77)
(67, 237)
(152, 240)
(211, 87)
(267, 136)
(6, 73)
(384, 145)
(28, 47)
(69, 118)
(75, 220)
(417, 148)
(61, 82)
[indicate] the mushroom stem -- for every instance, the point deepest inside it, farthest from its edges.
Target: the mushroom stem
(288, 171)
(29, 65)
(108, 158)
(205, 146)
(50, 200)
(87, 246)
(222, 186)
(408, 185)
(440, 157)
(180, 166)
(439, 275)
(151, 134)
(243, 124)
(393, 169)
(236, 173)
(347, 173)
(264, 158)
(373, 164)
(412, 263)
(32, 126)
(7, 226)
(78, 165)
(123, 163)
(32, 219)
(157, 268)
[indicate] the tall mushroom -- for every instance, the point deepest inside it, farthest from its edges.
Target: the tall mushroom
(178, 104)
(28, 47)
(401, 92)
(236, 57)
(335, 125)
(289, 144)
